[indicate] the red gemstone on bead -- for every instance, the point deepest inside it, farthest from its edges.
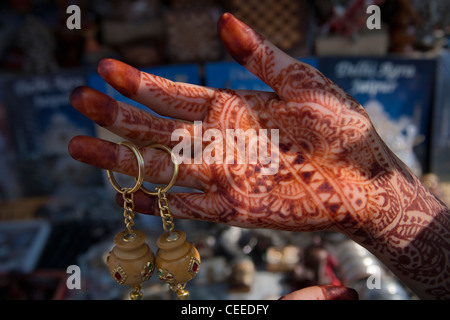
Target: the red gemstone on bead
(195, 267)
(117, 276)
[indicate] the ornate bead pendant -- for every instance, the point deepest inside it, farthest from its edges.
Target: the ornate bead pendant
(131, 261)
(177, 261)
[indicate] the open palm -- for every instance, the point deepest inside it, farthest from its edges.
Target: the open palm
(328, 154)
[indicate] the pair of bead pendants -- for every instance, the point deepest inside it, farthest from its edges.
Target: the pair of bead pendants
(131, 262)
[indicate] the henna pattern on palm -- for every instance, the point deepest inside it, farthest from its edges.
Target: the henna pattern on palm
(334, 173)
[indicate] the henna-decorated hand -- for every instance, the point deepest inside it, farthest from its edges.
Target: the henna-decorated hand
(326, 142)
(334, 172)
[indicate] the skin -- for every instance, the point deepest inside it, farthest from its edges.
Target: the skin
(335, 173)
(325, 292)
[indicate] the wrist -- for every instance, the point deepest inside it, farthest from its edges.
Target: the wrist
(407, 228)
(377, 196)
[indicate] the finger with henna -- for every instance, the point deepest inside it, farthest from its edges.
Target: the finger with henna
(323, 292)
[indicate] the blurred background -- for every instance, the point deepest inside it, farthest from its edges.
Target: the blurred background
(56, 212)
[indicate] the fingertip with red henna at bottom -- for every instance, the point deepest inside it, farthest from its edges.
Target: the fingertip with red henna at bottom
(123, 77)
(238, 38)
(322, 292)
(339, 293)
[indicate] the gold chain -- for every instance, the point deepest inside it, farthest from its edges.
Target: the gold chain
(164, 211)
(128, 209)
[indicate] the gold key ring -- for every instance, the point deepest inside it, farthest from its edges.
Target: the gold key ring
(139, 179)
(175, 171)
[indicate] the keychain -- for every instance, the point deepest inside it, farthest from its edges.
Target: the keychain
(131, 261)
(177, 261)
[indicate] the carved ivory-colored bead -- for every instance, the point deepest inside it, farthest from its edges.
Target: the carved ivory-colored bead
(131, 261)
(177, 261)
